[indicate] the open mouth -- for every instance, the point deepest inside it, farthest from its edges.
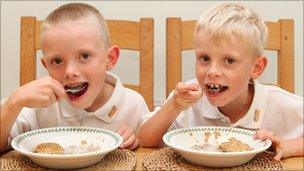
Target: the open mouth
(216, 88)
(76, 90)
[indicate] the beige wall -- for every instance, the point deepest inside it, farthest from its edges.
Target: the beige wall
(159, 10)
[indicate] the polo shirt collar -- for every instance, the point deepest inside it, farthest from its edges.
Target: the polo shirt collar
(108, 111)
(254, 117)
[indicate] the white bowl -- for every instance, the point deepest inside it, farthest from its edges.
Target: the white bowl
(66, 137)
(185, 140)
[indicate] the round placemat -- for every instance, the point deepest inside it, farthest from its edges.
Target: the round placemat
(120, 159)
(168, 159)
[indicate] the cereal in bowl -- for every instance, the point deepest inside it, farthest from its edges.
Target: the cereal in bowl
(49, 148)
(234, 145)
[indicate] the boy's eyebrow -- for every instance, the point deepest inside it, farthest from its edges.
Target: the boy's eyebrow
(202, 52)
(233, 55)
(199, 51)
(84, 50)
(50, 56)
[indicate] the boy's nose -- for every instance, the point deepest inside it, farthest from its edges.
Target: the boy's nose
(68, 76)
(214, 72)
(214, 75)
(71, 71)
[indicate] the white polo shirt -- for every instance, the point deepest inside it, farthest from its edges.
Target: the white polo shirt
(125, 107)
(272, 108)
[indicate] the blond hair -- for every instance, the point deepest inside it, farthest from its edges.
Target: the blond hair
(224, 21)
(78, 11)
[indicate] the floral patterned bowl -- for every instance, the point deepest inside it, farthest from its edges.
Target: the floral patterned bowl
(76, 140)
(200, 145)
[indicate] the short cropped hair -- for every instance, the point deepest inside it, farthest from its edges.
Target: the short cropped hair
(224, 21)
(77, 11)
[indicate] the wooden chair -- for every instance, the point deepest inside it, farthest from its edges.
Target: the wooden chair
(179, 37)
(128, 35)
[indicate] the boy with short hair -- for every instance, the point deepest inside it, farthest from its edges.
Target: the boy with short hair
(79, 90)
(228, 44)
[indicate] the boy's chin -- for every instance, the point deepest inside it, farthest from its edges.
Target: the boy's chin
(216, 103)
(82, 107)
(79, 104)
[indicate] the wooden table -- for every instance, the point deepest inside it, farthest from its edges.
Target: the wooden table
(293, 163)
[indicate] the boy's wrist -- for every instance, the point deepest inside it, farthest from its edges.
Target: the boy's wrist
(287, 150)
(174, 106)
(15, 101)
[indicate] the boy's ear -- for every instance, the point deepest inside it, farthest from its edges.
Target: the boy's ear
(260, 65)
(43, 62)
(113, 55)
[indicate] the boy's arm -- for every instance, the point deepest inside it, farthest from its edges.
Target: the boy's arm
(39, 93)
(9, 112)
(293, 147)
(152, 131)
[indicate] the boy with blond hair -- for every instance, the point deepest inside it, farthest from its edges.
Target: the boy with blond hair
(228, 44)
(79, 90)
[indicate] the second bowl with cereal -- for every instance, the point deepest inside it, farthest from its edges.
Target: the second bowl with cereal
(215, 146)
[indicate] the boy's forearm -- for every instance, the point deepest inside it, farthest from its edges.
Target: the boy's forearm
(9, 112)
(151, 133)
(293, 147)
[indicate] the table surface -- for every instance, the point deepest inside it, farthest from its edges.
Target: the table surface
(292, 163)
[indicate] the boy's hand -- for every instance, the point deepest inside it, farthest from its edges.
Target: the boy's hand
(40, 93)
(277, 143)
(186, 95)
(130, 140)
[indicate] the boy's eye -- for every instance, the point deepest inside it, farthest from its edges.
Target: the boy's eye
(57, 61)
(205, 58)
(85, 56)
(229, 61)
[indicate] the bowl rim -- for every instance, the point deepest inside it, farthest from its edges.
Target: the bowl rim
(14, 142)
(211, 153)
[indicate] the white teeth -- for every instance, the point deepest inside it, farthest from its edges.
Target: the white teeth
(75, 85)
(215, 87)
(75, 88)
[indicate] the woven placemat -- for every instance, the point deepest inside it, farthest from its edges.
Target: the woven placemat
(168, 159)
(120, 159)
